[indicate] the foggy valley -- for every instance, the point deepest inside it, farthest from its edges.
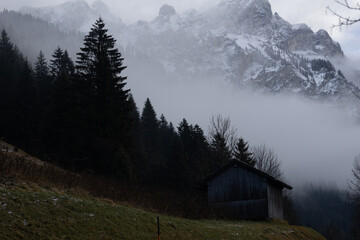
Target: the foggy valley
(285, 84)
(319, 137)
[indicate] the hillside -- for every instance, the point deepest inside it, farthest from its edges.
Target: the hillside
(31, 211)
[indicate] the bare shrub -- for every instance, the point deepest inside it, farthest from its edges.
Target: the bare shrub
(354, 185)
(222, 127)
(267, 161)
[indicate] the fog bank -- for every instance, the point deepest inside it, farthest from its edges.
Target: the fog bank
(316, 142)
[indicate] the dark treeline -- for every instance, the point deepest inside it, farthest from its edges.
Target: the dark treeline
(327, 210)
(79, 115)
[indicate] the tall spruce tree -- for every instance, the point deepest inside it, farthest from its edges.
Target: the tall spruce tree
(7, 56)
(25, 109)
(59, 107)
(149, 120)
(166, 133)
(135, 116)
(168, 140)
(150, 139)
(7, 64)
(16, 94)
(42, 79)
(43, 85)
(99, 66)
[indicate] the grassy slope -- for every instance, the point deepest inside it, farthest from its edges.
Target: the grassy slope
(28, 211)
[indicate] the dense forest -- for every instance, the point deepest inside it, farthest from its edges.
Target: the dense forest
(81, 116)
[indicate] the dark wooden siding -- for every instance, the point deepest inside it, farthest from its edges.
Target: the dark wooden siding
(241, 192)
(275, 202)
(245, 210)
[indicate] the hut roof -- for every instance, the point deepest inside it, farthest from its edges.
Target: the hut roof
(252, 169)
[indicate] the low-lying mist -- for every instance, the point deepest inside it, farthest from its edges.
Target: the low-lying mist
(316, 142)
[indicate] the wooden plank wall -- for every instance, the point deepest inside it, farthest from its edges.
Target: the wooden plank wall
(275, 202)
(244, 210)
(241, 192)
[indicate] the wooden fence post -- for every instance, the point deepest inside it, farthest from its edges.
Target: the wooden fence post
(158, 225)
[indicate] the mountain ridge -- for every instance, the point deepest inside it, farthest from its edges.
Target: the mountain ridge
(73, 15)
(239, 42)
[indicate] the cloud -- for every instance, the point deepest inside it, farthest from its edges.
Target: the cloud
(310, 12)
(316, 142)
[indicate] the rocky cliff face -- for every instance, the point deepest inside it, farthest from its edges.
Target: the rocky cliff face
(241, 42)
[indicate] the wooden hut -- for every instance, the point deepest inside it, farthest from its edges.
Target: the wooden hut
(244, 192)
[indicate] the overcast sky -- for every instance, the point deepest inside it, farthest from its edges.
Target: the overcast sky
(311, 12)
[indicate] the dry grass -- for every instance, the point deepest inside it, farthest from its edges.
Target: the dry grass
(28, 211)
(16, 164)
(66, 205)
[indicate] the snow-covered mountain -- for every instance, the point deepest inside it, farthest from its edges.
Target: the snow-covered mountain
(241, 42)
(73, 15)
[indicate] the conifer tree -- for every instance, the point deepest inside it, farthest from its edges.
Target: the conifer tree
(221, 138)
(203, 163)
(167, 140)
(43, 81)
(56, 62)
(67, 65)
(100, 64)
(220, 150)
(99, 67)
(150, 138)
(61, 66)
(149, 128)
(242, 153)
(59, 106)
(6, 62)
(12, 72)
(166, 133)
(8, 57)
(43, 88)
(41, 68)
(196, 156)
(149, 120)
(184, 131)
(163, 124)
(24, 110)
(7, 52)
(135, 116)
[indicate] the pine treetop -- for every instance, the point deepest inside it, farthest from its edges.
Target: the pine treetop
(101, 64)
